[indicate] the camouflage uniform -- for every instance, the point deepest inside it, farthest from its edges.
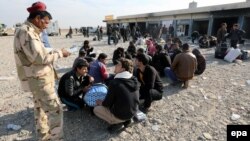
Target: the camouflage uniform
(36, 73)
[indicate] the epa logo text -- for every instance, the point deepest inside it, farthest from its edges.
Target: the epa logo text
(238, 134)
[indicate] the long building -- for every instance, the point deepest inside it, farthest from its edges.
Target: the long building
(206, 20)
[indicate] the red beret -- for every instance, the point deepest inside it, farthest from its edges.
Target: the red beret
(37, 6)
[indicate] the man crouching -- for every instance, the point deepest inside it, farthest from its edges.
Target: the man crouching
(122, 100)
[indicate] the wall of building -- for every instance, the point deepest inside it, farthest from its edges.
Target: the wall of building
(204, 22)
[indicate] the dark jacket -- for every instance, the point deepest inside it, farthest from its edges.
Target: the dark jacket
(221, 35)
(160, 61)
(201, 64)
(123, 97)
(151, 79)
(132, 50)
(235, 34)
(118, 54)
(174, 53)
(71, 86)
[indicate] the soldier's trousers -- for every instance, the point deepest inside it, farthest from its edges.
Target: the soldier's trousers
(47, 109)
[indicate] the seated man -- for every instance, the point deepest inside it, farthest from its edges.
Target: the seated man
(183, 67)
(174, 50)
(82, 54)
(122, 100)
(98, 69)
(73, 84)
(131, 49)
(151, 84)
(161, 60)
(204, 41)
(142, 51)
(88, 49)
(118, 54)
(195, 35)
(201, 62)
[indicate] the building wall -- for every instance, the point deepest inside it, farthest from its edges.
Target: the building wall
(210, 20)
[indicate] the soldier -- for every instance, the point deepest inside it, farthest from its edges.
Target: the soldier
(36, 72)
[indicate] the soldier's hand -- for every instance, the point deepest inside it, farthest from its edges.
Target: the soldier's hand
(65, 53)
(91, 80)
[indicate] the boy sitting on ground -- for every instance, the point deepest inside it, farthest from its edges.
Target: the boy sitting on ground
(74, 84)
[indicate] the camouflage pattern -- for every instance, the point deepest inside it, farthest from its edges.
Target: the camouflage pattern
(37, 75)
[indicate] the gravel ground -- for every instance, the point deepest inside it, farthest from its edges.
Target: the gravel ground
(201, 112)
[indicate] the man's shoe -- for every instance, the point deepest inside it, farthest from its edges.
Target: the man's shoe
(115, 128)
(176, 83)
(185, 84)
(127, 123)
(144, 109)
(72, 109)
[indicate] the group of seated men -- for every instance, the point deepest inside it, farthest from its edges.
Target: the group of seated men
(135, 83)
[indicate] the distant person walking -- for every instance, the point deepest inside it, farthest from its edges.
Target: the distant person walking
(59, 31)
(171, 30)
(98, 33)
(87, 31)
(76, 30)
(69, 33)
(101, 32)
(109, 33)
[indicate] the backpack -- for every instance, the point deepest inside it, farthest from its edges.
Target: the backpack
(96, 91)
(221, 51)
(244, 55)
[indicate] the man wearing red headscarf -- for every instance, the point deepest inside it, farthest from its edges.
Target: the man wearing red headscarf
(40, 6)
(36, 72)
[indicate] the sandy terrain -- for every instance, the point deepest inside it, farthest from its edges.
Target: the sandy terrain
(201, 112)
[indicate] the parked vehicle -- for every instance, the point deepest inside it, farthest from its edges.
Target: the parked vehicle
(17, 25)
(3, 29)
(53, 29)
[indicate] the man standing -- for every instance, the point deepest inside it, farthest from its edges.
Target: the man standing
(69, 34)
(221, 33)
(235, 35)
(109, 33)
(35, 70)
(171, 31)
(122, 100)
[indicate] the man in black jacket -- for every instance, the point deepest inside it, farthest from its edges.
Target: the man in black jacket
(151, 84)
(122, 100)
(161, 60)
(73, 84)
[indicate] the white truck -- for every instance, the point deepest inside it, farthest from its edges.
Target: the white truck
(3, 29)
(53, 29)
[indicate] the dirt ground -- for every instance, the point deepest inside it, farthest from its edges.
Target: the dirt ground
(201, 112)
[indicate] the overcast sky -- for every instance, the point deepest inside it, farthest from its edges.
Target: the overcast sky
(77, 13)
